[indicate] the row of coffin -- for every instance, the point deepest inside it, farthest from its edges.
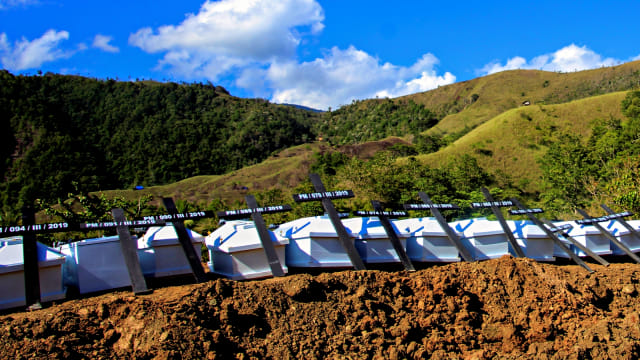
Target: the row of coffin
(235, 250)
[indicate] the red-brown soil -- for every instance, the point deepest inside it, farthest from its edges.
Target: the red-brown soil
(504, 308)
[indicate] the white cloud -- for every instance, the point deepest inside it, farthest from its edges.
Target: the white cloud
(569, 58)
(5, 4)
(27, 54)
(345, 75)
(255, 42)
(102, 42)
(232, 33)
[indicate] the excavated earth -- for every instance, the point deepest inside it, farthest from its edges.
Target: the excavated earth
(503, 308)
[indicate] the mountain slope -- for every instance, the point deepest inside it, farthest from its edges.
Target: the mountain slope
(510, 143)
(470, 103)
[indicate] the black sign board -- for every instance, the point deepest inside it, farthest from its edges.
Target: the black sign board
(633, 231)
(325, 197)
(608, 235)
(115, 224)
(526, 211)
(431, 206)
(553, 237)
(488, 204)
(246, 213)
(185, 239)
(494, 205)
(563, 230)
(317, 196)
(391, 232)
(147, 221)
(451, 234)
(25, 228)
(129, 250)
(388, 214)
(609, 217)
(559, 229)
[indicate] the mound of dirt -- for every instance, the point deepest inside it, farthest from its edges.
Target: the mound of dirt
(504, 308)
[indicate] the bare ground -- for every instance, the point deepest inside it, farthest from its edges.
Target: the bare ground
(504, 308)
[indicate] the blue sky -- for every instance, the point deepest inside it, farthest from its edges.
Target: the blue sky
(313, 52)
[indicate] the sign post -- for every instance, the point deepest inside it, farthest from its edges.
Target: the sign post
(494, 205)
(325, 197)
(130, 253)
(29, 229)
(185, 242)
(391, 233)
(30, 259)
(263, 233)
(552, 236)
(620, 218)
(588, 220)
(563, 230)
(453, 237)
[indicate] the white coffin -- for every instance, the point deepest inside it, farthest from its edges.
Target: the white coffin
(557, 251)
(235, 251)
(314, 243)
(95, 265)
(167, 257)
(372, 242)
(428, 241)
(590, 237)
(536, 244)
(487, 239)
(624, 235)
(12, 274)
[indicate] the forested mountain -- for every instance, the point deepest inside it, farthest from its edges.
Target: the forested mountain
(57, 130)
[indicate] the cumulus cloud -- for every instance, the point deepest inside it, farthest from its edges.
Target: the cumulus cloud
(25, 54)
(5, 4)
(232, 33)
(345, 75)
(255, 42)
(569, 58)
(102, 42)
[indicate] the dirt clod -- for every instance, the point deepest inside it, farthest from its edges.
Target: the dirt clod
(503, 308)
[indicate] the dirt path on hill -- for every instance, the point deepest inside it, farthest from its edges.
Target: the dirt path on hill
(504, 308)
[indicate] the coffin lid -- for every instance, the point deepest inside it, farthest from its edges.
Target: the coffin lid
(486, 228)
(414, 225)
(165, 235)
(371, 228)
(239, 235)
(100, 240)
(317, 226)
(532, 231)
(11, 256)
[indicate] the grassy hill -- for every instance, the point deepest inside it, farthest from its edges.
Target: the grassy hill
(105, 135)
(458, 108)
(284, 170)
(504, 136)
(509, 144)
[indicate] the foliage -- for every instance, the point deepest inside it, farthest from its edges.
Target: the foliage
(80, 208)
(327, 163)
(374, 120)
(110, 134)
(384, 179)
(604, 168)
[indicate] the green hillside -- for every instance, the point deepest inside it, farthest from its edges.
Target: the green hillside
(509, 144)
(197, 143)
(59, 130)
(470, 103)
